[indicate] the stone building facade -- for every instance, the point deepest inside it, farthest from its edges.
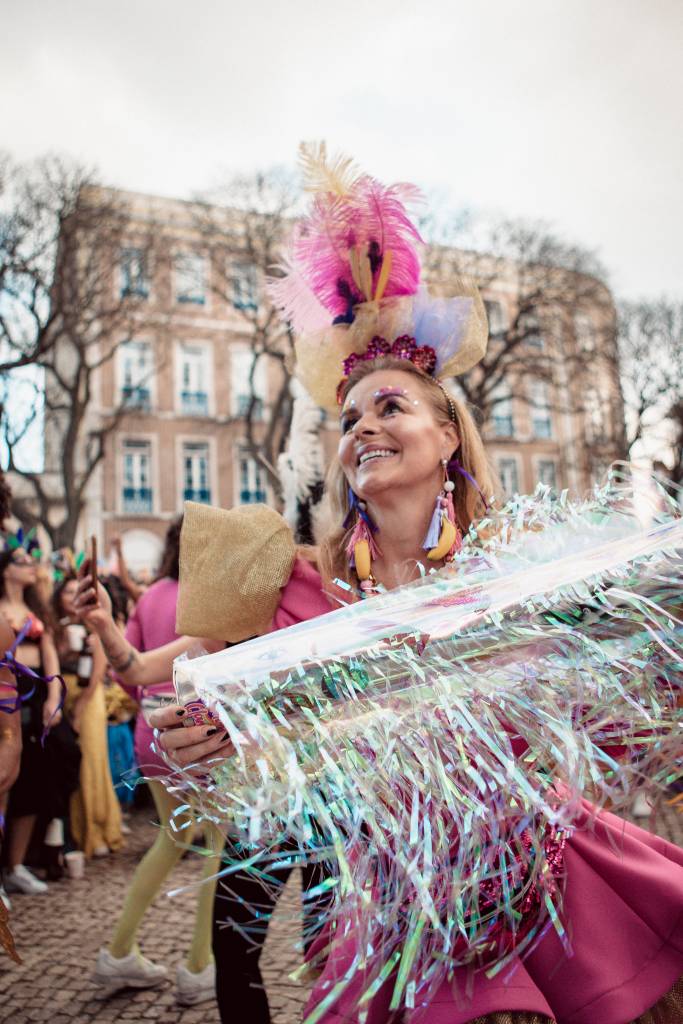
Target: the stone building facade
(183, 373)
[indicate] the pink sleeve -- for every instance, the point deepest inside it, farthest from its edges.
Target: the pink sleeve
(302, 598)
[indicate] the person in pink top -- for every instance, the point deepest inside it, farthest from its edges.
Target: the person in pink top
(120, 965)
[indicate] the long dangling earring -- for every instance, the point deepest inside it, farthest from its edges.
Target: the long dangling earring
(444, 538)
(362, 546)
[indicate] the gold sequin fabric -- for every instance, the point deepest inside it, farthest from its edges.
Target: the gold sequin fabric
(513, 1017)
(233, 565)
(667, 1010)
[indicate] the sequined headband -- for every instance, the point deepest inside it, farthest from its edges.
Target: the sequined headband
(405, 347)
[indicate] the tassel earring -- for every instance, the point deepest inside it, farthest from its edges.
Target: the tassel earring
(362, 547)
(444, 538)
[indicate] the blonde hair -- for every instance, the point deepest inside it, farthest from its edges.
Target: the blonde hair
(469, 506)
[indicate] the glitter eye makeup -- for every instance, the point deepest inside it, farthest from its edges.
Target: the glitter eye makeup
(389, 392)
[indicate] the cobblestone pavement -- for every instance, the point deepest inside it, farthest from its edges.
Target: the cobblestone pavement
(58, 936)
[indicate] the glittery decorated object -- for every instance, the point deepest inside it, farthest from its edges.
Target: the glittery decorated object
(432, 745)
(405, 347)
(351, 276)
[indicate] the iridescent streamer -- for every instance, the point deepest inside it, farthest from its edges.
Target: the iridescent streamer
(432, 746)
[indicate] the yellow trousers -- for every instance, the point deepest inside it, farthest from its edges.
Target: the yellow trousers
(152, 872)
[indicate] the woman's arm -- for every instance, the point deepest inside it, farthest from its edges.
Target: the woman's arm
(135, 668)
(10, 721)
(133, 589)
(48, 651)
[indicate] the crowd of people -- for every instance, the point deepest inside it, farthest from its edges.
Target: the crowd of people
(76, 746)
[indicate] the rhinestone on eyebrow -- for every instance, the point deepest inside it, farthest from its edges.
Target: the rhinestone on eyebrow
(389, 392)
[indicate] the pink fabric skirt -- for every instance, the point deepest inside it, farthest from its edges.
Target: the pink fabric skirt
(623, 910)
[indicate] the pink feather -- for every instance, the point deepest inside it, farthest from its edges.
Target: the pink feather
(318, 272)
(361, 531)
(385, 220)
(292, 294)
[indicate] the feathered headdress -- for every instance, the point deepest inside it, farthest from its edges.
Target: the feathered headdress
(28, 541)
(351, 283)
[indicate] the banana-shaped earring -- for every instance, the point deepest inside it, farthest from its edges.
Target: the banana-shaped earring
(362, 547)
(443, 538)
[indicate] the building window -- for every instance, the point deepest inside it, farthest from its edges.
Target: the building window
(137, 478)
(252, 480)
(530, 328)
(501, 410)
(594, 414)
(541, 420)
(495, 314)
(244, 287)
(241, 365)
(136, 371)
(509, 477)
(547, 473)
(134, 278)
(196, 486)
(190, 278)
(193, 374)
(584, 331)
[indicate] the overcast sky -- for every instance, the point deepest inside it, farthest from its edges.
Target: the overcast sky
(567, 111)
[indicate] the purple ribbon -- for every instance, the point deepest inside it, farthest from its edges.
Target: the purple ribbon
(454, 464)
(11, 704)
(355, 507)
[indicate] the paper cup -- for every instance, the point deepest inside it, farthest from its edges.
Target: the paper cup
(75, 863)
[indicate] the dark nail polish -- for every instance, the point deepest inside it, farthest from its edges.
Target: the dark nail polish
(180, 713)
(225, 736)
(212, 731)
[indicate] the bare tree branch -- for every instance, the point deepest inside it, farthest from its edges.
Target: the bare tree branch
(65, 313)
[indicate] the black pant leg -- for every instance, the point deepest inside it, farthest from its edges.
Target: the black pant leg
(242, 899)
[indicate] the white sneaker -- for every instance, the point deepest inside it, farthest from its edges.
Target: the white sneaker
(195, 988)
(132, 971)
(20, 879)
(101, 851)
(5, 898)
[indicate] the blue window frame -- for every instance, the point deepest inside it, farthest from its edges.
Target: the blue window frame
(134, 278)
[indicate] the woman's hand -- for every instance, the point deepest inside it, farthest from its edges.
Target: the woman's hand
(191, 744)
(92, 606)
(52, 713)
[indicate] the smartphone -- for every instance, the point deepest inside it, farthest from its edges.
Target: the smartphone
(92, 554)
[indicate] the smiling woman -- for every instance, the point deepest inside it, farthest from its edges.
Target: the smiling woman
(389, 405)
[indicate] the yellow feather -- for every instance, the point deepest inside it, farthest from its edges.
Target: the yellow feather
(366, 276)
(383, 278)
(354, 260)
(445, 544)
(323, 175)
